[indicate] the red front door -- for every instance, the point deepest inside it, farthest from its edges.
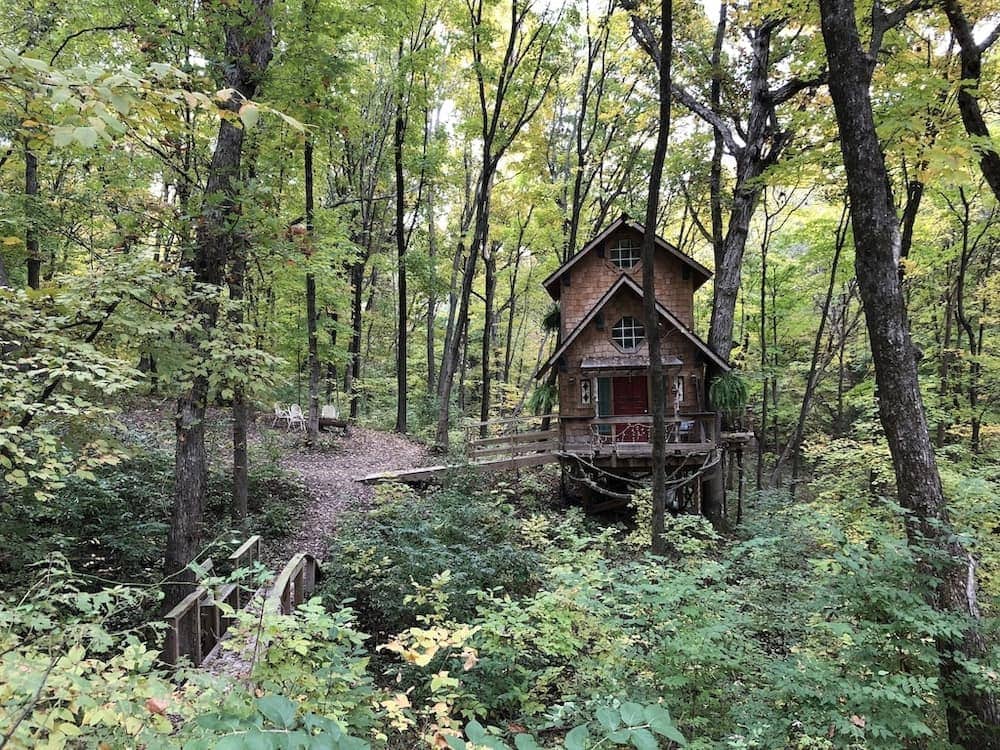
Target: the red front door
(630, 396)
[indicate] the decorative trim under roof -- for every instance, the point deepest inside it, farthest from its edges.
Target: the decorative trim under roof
(626, 281)
(625, 221)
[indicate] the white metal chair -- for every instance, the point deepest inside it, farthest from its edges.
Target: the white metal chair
(329, 411)
(296, 417)
(281, 414)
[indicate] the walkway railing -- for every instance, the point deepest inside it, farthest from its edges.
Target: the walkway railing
(294, 584)
(198, 622)
(512, 437)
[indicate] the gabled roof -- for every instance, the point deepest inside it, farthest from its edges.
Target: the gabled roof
(626, 281)
(624, 221)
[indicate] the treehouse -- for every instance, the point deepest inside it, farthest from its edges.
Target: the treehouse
(602, 360)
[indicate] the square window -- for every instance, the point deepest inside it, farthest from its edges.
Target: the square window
(628, 333)
(625, 253)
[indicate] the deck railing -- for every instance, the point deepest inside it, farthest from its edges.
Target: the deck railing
(700, 428)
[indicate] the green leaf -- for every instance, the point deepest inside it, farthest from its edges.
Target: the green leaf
(249, 114)
(633, 714)
(86, 136)
(475, 732)
(643, 739)
(608, 718)
(62, 136)
(525, 742)
(231, 742)
(577, 738)
(254, 739)
(278, 710)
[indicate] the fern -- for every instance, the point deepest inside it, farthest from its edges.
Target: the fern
(729, 394)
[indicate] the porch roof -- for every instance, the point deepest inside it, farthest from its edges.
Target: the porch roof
(626, 362)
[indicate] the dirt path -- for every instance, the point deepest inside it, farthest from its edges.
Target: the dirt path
(329, 479)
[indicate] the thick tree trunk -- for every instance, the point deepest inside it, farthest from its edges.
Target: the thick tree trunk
(968, 100)
(973, 715)
(728, 275)
(248, 51)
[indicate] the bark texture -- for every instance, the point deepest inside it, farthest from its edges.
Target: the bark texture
(973, 716)
(248, 45)
(658, 385)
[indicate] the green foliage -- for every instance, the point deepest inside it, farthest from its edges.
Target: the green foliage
(543, 398)
(728, 393)
(113, 524)
(552, 318)
(378, 556)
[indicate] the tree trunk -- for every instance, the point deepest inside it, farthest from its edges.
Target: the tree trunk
(241, 407)
(248, 51)
(312, 422)
(658, 385)
(973, 715)
(432, 300)
(34, 262)
(399, 134)
(490, 264)
(352, 373)
(812, 379)
(968, 102)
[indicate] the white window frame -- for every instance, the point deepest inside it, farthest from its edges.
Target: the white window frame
(630, 331)
(679, 388)
(625, 253)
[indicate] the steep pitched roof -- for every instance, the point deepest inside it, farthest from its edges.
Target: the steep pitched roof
(626, 281)
(623, 221)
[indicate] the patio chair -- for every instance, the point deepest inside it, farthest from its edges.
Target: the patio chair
(329, 411)
(281, 414)
(296, 417)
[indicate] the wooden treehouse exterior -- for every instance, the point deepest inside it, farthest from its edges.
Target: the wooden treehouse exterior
(602, 360)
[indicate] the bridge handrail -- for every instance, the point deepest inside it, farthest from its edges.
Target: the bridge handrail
(294, 584)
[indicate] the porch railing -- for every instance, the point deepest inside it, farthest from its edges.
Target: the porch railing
(684, 429)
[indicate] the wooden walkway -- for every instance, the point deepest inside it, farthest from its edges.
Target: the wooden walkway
(494, 445)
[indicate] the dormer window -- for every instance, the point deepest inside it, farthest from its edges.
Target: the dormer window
(628, 333)
(625, 253)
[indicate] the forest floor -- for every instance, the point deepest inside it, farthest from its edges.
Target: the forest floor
(327, 471)
(330, 480)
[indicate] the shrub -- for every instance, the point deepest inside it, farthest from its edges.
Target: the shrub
(378, 556)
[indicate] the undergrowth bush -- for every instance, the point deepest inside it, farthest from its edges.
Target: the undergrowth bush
(379, 556)
(113, 525)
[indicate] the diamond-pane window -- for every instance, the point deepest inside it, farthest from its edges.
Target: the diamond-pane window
(625, 253)
(628, 333)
